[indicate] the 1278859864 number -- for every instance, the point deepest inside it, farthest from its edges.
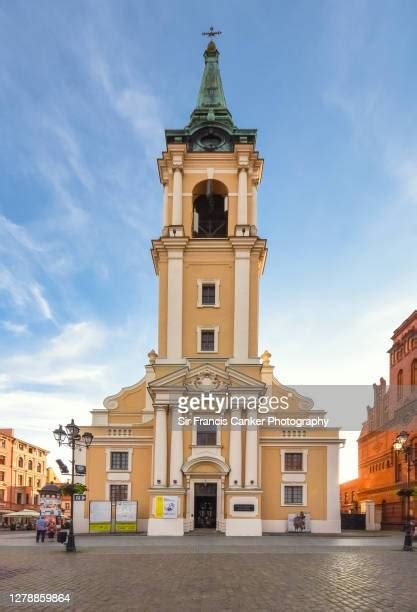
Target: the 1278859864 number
(25, 598)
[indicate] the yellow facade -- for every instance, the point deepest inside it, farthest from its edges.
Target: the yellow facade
(241, 479)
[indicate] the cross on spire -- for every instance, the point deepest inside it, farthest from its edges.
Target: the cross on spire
(211, 33)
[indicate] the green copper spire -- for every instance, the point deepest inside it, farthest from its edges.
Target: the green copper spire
(211, 103)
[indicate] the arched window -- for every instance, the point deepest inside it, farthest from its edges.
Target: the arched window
(400, 380)
(30, 465)
(414, 372)
(210, 210)
(20, 462)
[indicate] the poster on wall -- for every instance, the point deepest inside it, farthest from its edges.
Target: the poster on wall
(50, 506)
(126, 515)
(100, 516)
(166, 506)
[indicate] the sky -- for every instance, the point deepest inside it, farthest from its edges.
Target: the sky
(86, 90)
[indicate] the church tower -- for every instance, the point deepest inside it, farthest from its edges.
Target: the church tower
(159, 450)
(209, 258)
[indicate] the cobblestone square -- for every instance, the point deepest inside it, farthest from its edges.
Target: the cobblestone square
(213, 573)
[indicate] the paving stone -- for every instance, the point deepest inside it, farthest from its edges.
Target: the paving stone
(214, 574)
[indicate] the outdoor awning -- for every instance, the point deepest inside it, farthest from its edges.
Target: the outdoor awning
(22, 514)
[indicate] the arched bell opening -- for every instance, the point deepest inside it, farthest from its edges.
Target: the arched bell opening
(210, 210)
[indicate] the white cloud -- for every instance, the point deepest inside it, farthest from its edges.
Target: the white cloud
(41, 302)
(20, 329)
(133, 102)
(19, 234)
(23, 295)
(63, 360)
(34, 415)
(75, 340)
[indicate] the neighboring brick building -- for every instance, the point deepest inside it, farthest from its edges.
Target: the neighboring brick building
(383, 472)
(22, 473)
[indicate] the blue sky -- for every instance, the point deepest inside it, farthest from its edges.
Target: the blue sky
(86, 90)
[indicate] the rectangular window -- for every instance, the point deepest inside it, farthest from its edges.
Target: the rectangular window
(207, 340)
(208, 294)
(293, 495)
(293, 462)
(3, 443)
(1, 495)
(206, 435)
(119, 461)
(2, 460)
(118, 492)
(19, 498)
(1, 476)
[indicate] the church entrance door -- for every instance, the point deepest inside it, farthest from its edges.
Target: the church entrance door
(205, 505)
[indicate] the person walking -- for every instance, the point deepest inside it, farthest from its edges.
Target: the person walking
(41, 527)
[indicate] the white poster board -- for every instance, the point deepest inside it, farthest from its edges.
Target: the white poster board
(170, 506)
(50, 506)
(100, 516)
(126, 511)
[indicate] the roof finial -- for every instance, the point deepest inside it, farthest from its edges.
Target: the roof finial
(211, 33)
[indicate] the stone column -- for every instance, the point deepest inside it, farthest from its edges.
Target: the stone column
(235, 454)
(176, 451)
(165, 219)
(254, 205)
(251, 458)
(242, 198)
(174, 315)
(160, 449)
(333, 495)
(241, 314)
(177, 197)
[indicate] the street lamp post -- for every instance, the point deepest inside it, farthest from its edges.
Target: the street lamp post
(70, 436)
(402, 444)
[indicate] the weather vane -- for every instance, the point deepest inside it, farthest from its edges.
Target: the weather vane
(211, 33)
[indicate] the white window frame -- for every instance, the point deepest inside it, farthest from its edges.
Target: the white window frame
(202, 328)
(208, 281)
(129, 451)
(194, 435)
(294, 484)
(304, 452)
(119, 482)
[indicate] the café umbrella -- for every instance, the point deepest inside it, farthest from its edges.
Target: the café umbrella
(22, 514)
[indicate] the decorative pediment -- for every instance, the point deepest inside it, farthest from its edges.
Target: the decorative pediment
(206, 378)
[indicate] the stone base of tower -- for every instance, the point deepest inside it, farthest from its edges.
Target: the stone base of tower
(165, 527)
(243, 527)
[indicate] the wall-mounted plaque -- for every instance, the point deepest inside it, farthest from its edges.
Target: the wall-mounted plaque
(244, 508)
